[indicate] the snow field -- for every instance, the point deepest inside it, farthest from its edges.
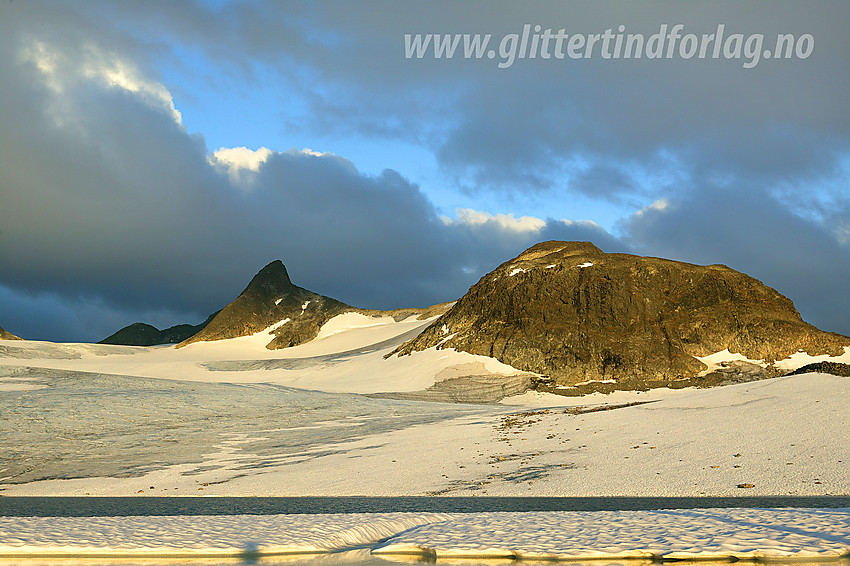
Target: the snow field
(346, 357)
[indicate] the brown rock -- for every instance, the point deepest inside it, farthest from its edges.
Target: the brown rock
(834, 368)
(7, 335)
(575, 314)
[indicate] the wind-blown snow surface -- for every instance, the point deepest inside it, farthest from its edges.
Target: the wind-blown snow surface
(719, 534)
(233, 418)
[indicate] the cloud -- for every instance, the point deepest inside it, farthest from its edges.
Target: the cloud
(61, 317)
(62, 70)
(239, 162)
(503, 222)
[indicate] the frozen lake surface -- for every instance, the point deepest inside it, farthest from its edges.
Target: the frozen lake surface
(689, 534)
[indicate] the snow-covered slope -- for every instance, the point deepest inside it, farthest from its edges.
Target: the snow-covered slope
(346, 356)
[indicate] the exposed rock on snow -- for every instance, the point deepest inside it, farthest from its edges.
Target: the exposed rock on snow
(485, 388)
(640, 321)
(834, 368)
(4, 335)
(142, 334)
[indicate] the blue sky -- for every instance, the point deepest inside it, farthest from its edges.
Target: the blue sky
(386, 181)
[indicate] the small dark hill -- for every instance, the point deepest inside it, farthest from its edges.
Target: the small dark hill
(571, 312)
(136, 334)
(141, 334)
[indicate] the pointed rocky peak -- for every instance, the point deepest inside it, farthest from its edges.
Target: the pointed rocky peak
(269, 280)
(272, 300)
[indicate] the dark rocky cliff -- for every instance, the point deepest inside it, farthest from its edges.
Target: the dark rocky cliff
(271, 298)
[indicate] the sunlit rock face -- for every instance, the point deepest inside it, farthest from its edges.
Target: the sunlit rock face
(571, 312)
(7, 335)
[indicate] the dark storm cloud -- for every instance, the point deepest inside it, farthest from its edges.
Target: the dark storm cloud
(604, 181)
(53, 316)
(514, 129)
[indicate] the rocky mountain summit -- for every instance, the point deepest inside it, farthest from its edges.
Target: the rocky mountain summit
(574, 314)
(4, 335)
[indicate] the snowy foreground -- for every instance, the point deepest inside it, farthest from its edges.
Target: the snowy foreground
(232, 418)
(326, 418)
(718, 534)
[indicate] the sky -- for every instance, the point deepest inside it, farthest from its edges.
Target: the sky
(154, 155)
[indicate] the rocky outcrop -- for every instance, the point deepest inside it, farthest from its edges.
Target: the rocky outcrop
(570, 312)
(295, 315)
(142, 334)
(833, 368)
(7, 335)
(486, 388)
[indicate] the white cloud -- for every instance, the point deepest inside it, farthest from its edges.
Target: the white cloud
(46, 60)
(117, 73)
(842, 233)
(475, 218)
(657, 206)
(62, 70)
(590, 224)
(308, 151)
(239, 162)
